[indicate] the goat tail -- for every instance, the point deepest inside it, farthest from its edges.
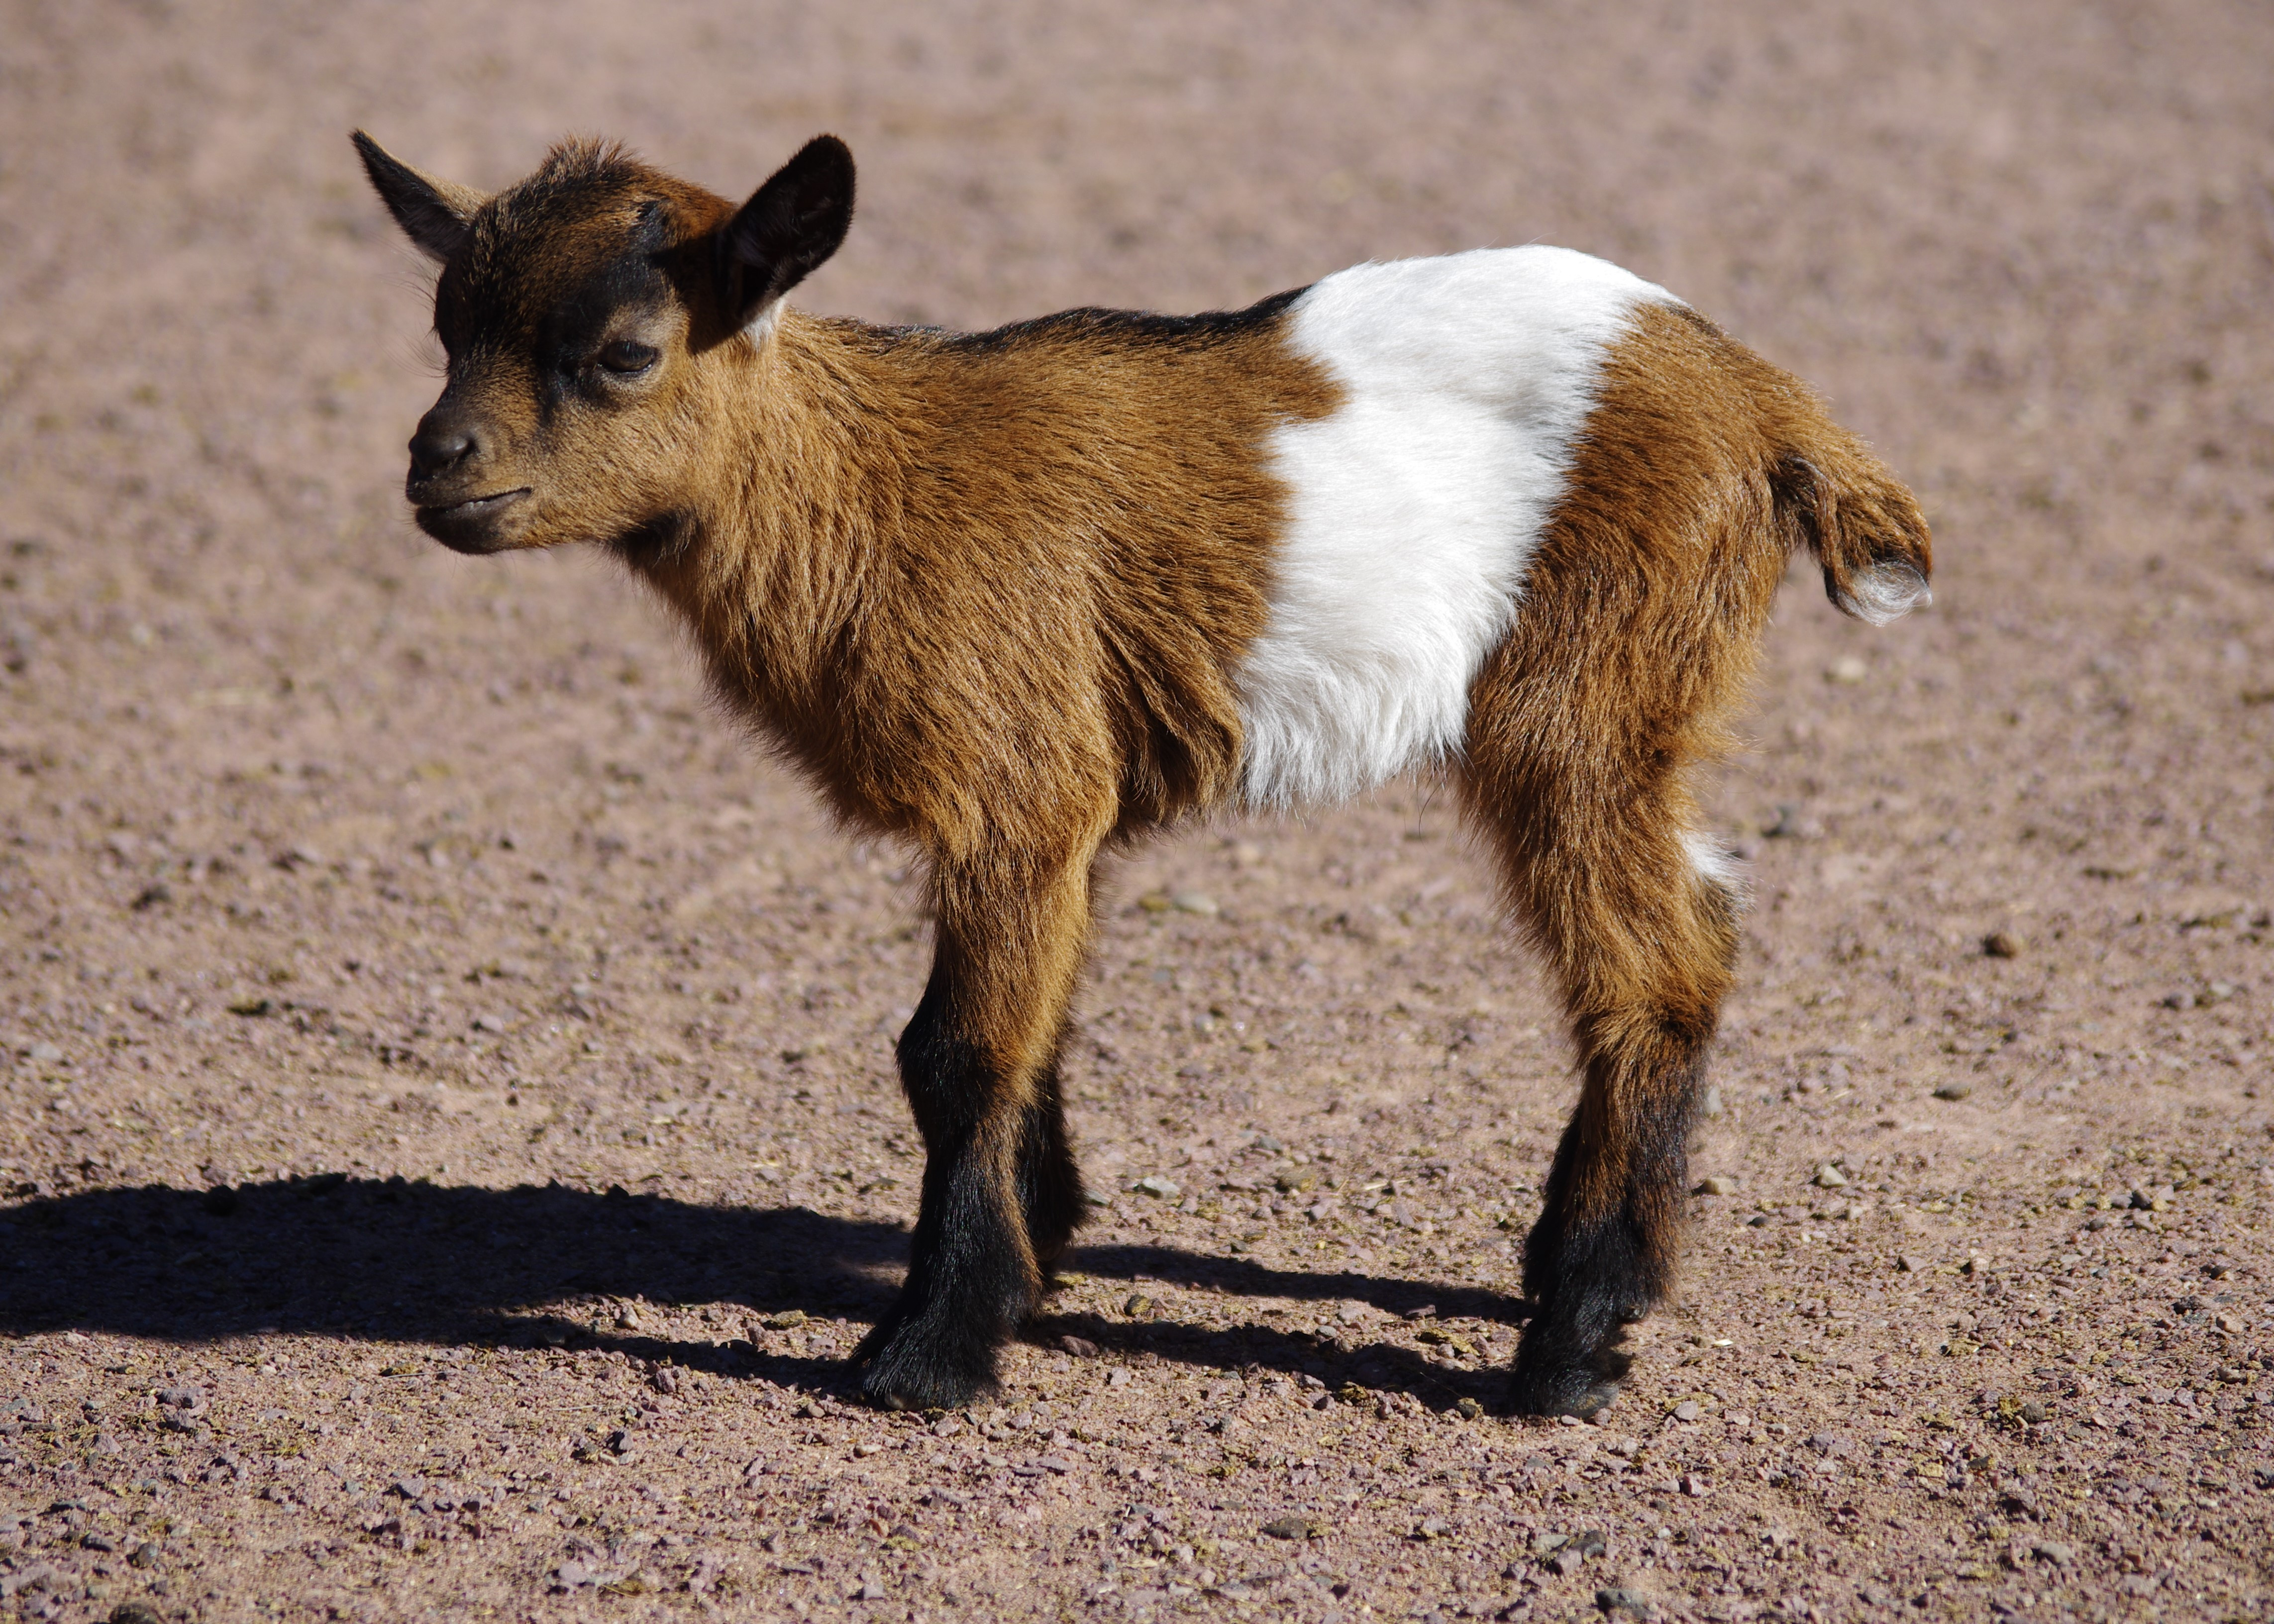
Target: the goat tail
(1861, 522)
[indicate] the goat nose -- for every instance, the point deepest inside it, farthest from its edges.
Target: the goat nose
(441, 445)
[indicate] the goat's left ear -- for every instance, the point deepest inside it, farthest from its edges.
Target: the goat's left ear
(789, 226)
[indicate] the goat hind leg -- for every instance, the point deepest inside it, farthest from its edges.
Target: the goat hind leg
(1642, 947)
(1604, 1250)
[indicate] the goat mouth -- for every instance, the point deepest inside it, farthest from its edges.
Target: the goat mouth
(468, 526)
(476, 507)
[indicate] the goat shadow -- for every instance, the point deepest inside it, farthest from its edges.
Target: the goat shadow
(416, 1262)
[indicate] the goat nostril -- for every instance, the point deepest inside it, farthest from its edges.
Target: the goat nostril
(433, 450)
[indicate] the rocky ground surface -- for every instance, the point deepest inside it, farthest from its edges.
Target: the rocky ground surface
(447, 1136)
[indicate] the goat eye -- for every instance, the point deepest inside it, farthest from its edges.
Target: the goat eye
(627, 359)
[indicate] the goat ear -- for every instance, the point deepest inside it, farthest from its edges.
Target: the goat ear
(433, 214)
(789, 226)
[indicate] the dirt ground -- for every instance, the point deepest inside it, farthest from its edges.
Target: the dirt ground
(448, 1134)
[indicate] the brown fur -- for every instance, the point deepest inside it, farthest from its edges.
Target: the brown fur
(972, 497)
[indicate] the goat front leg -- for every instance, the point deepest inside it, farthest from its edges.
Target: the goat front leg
(1051, 1194)
(980, 1066)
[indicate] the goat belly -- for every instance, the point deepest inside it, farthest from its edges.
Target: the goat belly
(1413, 509)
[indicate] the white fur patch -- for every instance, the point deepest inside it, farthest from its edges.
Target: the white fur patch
(1414, 508)
(760, 327)
(1709, 862)
(1886, 592)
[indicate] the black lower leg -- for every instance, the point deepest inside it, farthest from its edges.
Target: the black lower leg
(971, 1274)
(967, 1287)
(1050, 1183)
(1602, 1253)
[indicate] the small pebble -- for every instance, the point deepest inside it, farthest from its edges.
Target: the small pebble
(1711, 1106)
(1195, 902)
(1790, 823)
(1717, 1184)
(2054, 1552)
(2002, 944)
(1159, 1188)
(1687, 1410)
(1830, 1177)
(1290, 1528)
(1953, 1091)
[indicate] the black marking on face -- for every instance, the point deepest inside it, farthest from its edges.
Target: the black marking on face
(558, 267)
(599, 340)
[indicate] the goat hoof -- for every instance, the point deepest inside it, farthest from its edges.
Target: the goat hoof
(1566, 1387)
(1559, 1392)
(901, 1374)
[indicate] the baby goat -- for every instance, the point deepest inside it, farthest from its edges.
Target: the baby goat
(1020, 597)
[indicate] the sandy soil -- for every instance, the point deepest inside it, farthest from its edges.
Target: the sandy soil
(447, 1131)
